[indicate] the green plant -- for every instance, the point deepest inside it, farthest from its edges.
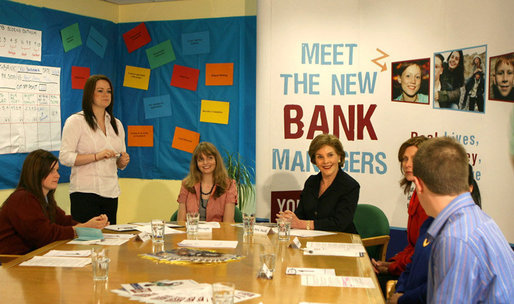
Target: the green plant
(242, 174)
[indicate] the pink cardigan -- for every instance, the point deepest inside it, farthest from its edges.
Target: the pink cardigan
(215, 206)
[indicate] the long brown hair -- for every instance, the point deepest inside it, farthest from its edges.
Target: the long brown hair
(413, 141)
(87, 102)
(36, 167)
(220, 175)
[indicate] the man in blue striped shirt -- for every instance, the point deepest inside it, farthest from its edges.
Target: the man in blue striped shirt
(471, 261)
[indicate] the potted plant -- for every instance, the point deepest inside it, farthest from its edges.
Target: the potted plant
(243, 175)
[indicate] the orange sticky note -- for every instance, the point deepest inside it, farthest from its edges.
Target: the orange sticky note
(219, 74)
(185, 140)
(140, 136)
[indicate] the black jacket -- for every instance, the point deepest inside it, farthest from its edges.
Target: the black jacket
(334, 209)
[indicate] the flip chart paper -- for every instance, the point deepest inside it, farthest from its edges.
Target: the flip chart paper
(184, 77)
(185, 140)
(214, 111)
(137, 78)
(219, 74)
(140, 136)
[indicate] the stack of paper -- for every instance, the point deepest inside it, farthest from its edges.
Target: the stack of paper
(178, 291)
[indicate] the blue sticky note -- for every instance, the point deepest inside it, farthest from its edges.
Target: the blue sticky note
(158, 106)
(96, 42)
(196, 43)
(88, 234)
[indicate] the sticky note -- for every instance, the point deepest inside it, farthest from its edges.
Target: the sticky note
(140, 136)
(136, 37)
(79, 75)
(184, 77)
(214, 111)
(136, 77)
(196, 43)
(185, 140)
(160, 54)
(71, 37)
(219, 74)
(158, 106)
(96, 42)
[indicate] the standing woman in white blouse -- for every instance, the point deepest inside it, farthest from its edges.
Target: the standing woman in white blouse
(93, 145)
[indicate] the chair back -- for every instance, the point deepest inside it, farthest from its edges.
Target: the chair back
(372, 224)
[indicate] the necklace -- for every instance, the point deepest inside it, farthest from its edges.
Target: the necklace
(206, 193)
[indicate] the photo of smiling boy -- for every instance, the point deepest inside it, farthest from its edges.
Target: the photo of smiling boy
(410, 81)
(501, 77)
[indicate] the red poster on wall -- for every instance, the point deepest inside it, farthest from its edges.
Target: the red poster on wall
(283, 200)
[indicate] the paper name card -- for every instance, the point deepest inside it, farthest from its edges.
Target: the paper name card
(257, 229)
(208, 244)
(337, 281)
(310, 271)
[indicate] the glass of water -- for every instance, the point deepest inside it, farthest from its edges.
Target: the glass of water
(248, 224)
(157, 231)
(223, 293)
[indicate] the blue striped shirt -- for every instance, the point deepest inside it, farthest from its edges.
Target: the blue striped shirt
(471, 261)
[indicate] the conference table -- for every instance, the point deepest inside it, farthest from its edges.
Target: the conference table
(21, 284)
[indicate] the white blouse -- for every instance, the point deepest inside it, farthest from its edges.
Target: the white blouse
(99, 177)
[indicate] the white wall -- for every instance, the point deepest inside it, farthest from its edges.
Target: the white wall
(404, 30)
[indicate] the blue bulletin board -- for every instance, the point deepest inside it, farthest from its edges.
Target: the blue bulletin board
(195, 45)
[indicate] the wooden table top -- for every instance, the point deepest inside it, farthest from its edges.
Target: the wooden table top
(75, 285)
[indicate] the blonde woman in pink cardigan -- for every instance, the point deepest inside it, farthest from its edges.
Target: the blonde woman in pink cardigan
(207, 189)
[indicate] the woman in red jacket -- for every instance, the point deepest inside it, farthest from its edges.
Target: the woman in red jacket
(30, 217)
(396, 265)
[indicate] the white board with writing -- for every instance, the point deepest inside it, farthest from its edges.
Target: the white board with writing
(30, 108)
(20, 43)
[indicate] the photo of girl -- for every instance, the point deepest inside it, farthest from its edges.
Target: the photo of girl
(410, 81)
(501, 77)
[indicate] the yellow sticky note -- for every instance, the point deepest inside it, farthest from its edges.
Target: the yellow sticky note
(214, 111)
(137, 78)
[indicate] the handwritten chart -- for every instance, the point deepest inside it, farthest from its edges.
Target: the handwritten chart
(21, 43)
(30, 108)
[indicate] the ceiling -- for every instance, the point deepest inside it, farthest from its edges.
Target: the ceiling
(136, 1)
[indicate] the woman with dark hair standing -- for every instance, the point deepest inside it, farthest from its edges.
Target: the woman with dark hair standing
(30, 217)
(207, 189)
(93, 145)
(452, 79)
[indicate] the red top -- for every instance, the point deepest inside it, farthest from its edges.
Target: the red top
(215, 206)
(417, 216)
(24, 227)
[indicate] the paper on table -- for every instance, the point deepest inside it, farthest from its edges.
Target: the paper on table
(106, 241)
(45, 261)
(121, 227)
(68, 253)
(337, 281)
(306, 233)
(148, 229)
(209, 224)
(310, 271)
(334, 249)
(208, 244)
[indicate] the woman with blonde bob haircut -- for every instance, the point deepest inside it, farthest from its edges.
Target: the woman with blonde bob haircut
(329, 198)
(207, 189)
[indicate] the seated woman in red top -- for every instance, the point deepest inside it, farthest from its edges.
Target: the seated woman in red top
(207, 189)
(392, 269)
(30, 217)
